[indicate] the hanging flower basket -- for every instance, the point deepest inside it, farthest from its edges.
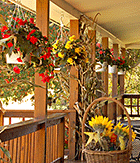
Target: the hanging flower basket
(112, 69)
(121, 72)
(100, 137)
(101, 67)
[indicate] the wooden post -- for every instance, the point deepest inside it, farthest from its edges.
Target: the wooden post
(105, 76)
(42, 21)
(1, 118)
(121, 81)
(92, 35)
(74, 30)
(114, 85)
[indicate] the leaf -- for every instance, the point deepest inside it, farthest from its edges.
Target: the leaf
(92, 136)
(6, 152)
(2, 20)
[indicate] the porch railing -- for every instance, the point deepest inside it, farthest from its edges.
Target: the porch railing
(132, 103)
(70, 122)
(20, 139)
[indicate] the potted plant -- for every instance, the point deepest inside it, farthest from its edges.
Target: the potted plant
(122, 65)
(24, 39)
(103, 57)
(70, 52)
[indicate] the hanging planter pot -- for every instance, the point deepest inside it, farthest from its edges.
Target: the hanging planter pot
(112, 69)
(121, 72)
(13, 58)
(100, 67)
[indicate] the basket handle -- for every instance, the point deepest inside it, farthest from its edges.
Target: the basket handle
(109, 99)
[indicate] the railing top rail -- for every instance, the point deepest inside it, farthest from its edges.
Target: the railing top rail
(23, 128)
(131, 95)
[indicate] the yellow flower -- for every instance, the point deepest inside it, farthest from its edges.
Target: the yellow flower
(72, 38)
(61, 55)
(84, 49)
(77, 50)
(55, 46)
(86, 60)
(70, 61)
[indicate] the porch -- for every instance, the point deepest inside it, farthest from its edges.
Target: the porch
(41, 139)
(20, 138)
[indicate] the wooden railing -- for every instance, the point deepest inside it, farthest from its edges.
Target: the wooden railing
(132, 103)
(20, 139)
(70, 123)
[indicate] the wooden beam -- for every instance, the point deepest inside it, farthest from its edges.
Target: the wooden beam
(114, 84)
(121, 81)
(74, 30)
(42, 21)
(105, 75)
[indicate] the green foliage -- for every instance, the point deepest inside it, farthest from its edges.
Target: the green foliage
(6, 152)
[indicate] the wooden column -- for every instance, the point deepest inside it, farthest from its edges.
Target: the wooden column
(114, 84)
(92, 35)
(122, 76)
(121, 81)
(74, 30)
(115, 81)
(42, 21)
(105, 75)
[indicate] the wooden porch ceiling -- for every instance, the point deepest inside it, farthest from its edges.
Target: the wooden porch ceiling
(119, 20)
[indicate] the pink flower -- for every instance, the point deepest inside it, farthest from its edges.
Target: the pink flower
(33, 39)
(16, 70)
(98, 44)
(101, 52)
(9, 44)
(19, 59)
(111, 50)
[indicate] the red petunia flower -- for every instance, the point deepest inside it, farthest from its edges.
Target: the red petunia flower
(16, 70)
(31, 20)
(42, 74)
(19, 59)
(7, 81)
(33, 39)
(9, 44)
(21, 22)
(4, 28)
(5, 36)
(32, 31)
(46, 79)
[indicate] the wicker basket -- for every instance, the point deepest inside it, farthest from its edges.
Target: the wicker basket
(119, 156)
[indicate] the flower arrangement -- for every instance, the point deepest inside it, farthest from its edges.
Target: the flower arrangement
(122, 64)
(103, 55)
(24, 38)
(107, 137)
(71, 52)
